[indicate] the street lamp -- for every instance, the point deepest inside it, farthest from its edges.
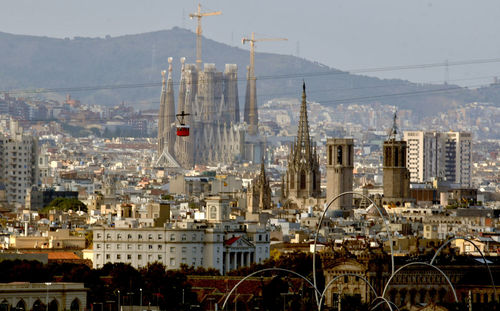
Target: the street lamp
(140, 302)
(119, 301)
(47, 296)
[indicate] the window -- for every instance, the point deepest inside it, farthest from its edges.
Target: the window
(150, 246)
(129, 257)
(184, 249)
(172, 237)
(213, 212)
(159, 247)
(108, 256)
(302, 180)
(172, 249)
(129, 246)
(150, 236)
(339, 155)
(108, 236)
(119, 236)
(172, 261)
(194, 250)
(98, 246)
(98, 235)
(150, 257)
(184, 260)
(160, 257)
(108, 246)
(139, 246)
(184, 237)
(160, 236)
(118, 246)
(129, 236)
(139, 257)
(194, 236)
(139, 236)
(118, 256)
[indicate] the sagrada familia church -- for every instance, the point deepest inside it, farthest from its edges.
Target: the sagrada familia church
(210, 98)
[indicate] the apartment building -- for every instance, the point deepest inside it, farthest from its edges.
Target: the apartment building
(18, 163)
(439, 155)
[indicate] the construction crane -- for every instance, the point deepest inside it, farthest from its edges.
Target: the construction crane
(199, 15)
(252, 115)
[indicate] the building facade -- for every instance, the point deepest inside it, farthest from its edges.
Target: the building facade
(439, 155)
(55, 296)
(18, 163)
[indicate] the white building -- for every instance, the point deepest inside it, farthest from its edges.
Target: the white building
(444, 155)
(215, 243)
(18, 163)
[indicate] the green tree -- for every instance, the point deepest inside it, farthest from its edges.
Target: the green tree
(65, 204)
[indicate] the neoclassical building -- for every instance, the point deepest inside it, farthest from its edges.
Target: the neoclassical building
(417, 284)
(60, 296)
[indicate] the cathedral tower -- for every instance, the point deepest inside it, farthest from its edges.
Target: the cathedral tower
(303, 176)
(259, 193)
(339, 171)
(396, 175)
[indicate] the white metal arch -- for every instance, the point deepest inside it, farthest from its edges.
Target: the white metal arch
(321, 221)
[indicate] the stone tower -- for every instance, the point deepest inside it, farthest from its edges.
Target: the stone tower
(339, 171)
(259, 193)
(396, 175)
(303, 176)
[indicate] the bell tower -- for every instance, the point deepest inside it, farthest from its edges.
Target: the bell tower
(396, 174)
(339, 171)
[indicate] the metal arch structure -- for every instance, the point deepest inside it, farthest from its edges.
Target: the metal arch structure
(423, 264)
(264, 270)
(320, 304)
(477, 248)
(321, 221)
(386, 301)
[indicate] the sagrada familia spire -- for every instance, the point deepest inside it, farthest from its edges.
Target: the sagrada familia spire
(210, 98)
(166, 121)
(303, 176)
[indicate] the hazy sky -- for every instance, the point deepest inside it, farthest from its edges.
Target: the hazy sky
(345, 34)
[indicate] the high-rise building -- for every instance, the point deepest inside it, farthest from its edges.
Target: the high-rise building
(303, 177)
(339, 171)
(439, 155)
(18, 163)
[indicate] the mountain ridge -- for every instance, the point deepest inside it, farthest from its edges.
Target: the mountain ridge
(34, 62)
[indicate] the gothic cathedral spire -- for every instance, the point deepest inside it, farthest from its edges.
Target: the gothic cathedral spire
(303, 176)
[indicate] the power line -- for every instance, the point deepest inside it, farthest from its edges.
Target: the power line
(355, 99)
(329, 72)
